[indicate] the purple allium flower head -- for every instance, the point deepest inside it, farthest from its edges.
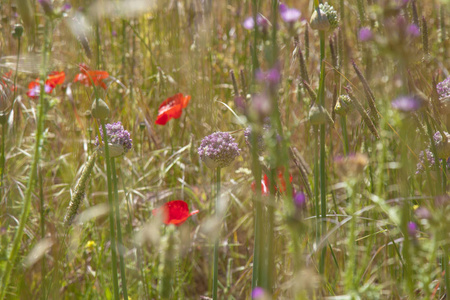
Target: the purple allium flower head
(413, 30)
(114, 33)
(412, 229)
(258, 292)
(300, 200)
(289, 15)
(407, 103)
(443, 88)
(118, 139)
(365, 34)
(218, 150)
(426, 157)
(261, 21)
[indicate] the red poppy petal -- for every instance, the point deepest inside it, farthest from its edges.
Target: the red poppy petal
(171, 101)
(194, 212)
(56, 78)
(186, 101)
(162, 119)
(33, 89)
(176, 112)
(167, 113)
(172, 107)
(176, 212)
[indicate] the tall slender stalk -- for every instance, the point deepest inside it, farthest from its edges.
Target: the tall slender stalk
(42, 225)
(119, 230)
(2, 159)
(345, 134)
(322, 171)
(216, 243)
(259, 224)
(111, 213)
(33, 171)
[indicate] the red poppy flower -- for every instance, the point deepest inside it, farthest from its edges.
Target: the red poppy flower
(54, 79)
(172, 107)
(265, 184)
(90, 77)
(175, 212)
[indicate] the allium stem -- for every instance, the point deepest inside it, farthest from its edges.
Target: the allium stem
(216, 243)
(2, 160)
(120, 246)
(33, 170)
(111, 215)
(344, 134)
(323, 189)
(42, 225)
(259, 224)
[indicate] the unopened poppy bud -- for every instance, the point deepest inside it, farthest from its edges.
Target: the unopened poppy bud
(100, 109)
(343, 105)
(17, 31)
(319, 115)
(142, 126)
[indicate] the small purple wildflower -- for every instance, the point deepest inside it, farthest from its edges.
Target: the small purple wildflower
(300, 201)
(407, 103)
(413, 30)
(412, 229)
(118, 138)
(426, 157)
(66, 7)
(114, 33)
(218, 150)
(365, 34)
(271, 76)
(289, 15)
(261, 21)
(240, 104)
(258, 292)
(443, 88)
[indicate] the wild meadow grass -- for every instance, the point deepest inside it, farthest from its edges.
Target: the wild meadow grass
(231, 149)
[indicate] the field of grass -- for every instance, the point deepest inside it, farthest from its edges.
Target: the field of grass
(340, 110)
